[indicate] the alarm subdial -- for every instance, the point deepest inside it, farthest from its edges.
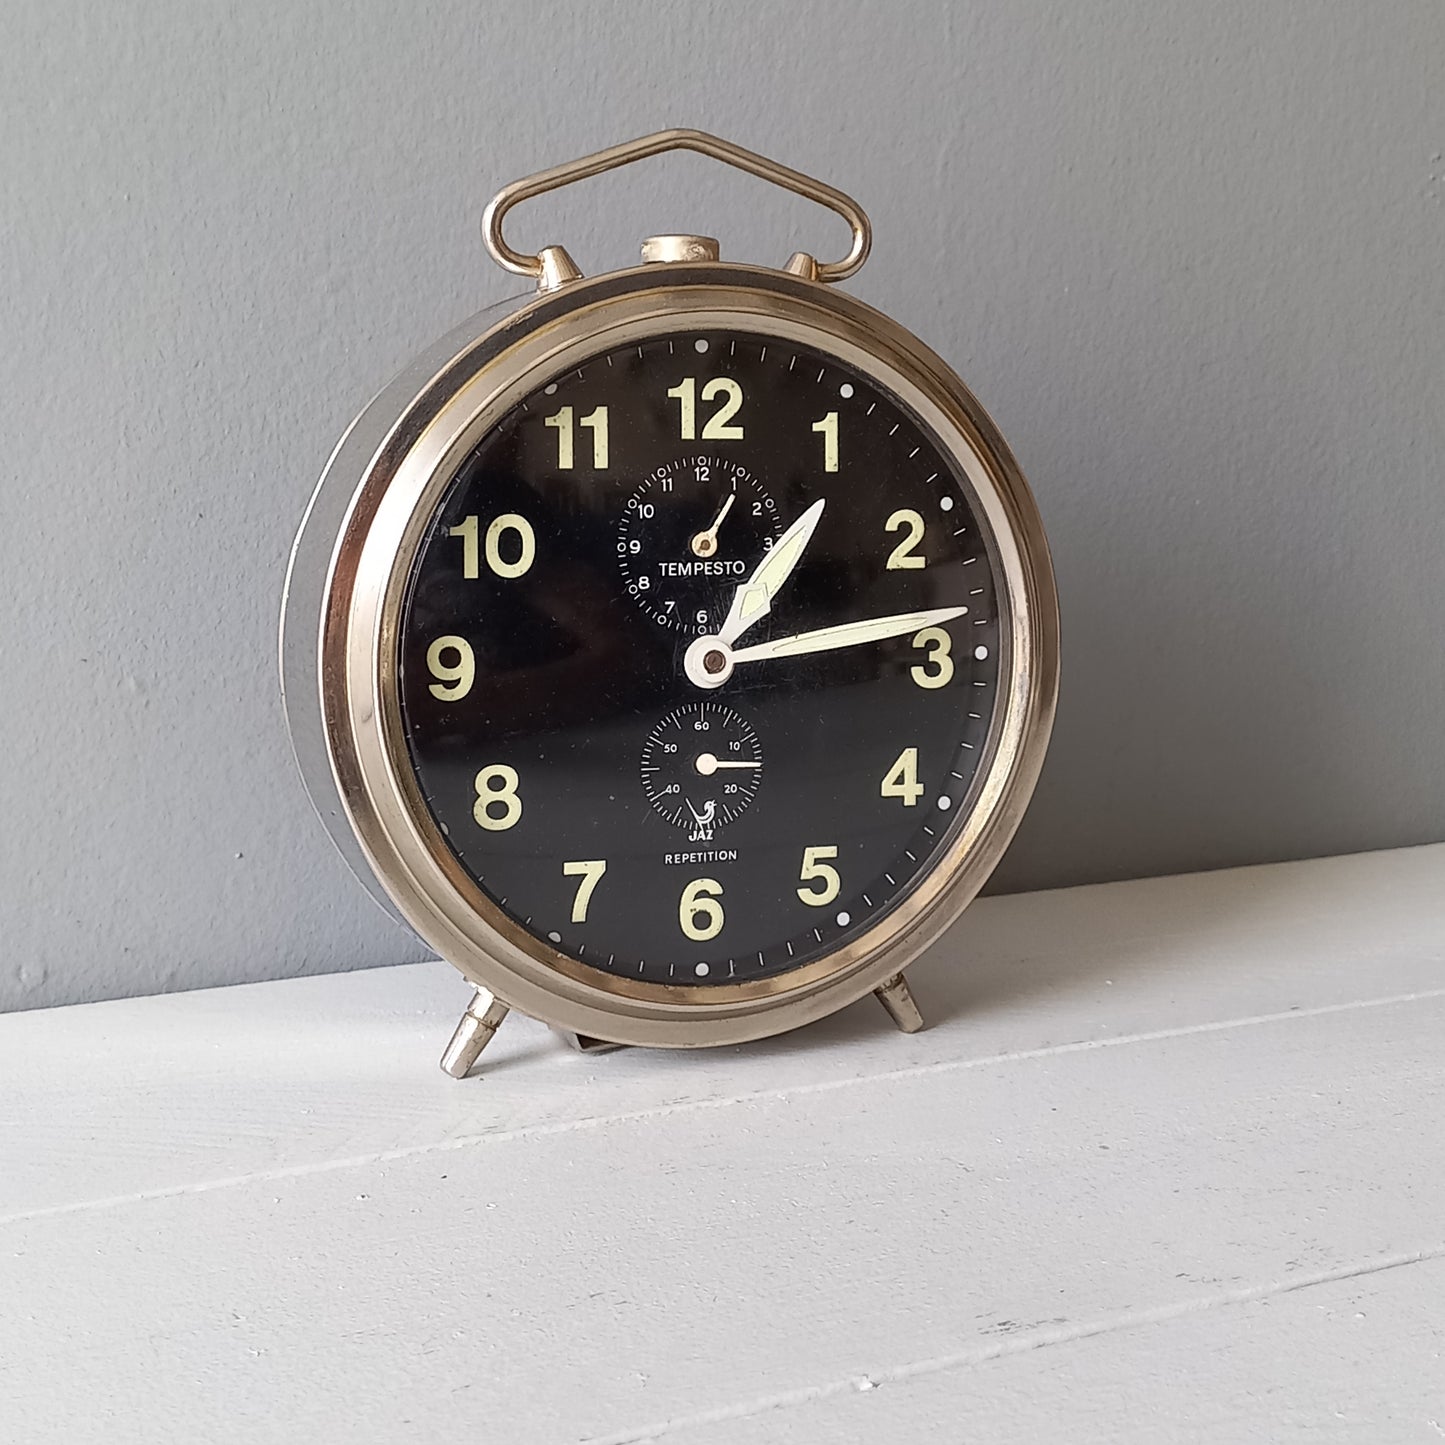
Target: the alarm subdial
(690, 532)
(702, 766)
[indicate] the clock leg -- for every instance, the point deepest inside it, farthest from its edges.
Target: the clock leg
(474, 1032)
(584, 1043)
(897, 998)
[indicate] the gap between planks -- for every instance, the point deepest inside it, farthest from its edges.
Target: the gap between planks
(663, 1111)
(1017, 1345)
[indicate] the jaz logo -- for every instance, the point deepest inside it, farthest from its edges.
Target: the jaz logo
(703, 821)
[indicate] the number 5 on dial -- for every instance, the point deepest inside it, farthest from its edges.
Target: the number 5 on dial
(814, 870)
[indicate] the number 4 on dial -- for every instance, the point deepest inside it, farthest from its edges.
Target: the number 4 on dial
(901, 780)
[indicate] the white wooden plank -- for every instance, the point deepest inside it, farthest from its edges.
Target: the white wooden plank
(1355, 1360)
(109, 1100)
(636, 1277)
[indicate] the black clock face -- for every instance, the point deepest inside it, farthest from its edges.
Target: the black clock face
(699, 658)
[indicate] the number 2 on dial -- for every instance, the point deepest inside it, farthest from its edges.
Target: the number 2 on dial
(903, 555)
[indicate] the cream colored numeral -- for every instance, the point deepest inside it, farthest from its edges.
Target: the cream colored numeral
(699, 913)
(562, 420)
(816, 871)
(938, 643)
(507, 522)
(589, 871)
(496, 789)
(903, 555)
(901, 780)
(454, 682)
(596, 420)
(527, 545)
(467, 531)
(566, 440)
(829, 427)
(718, 427)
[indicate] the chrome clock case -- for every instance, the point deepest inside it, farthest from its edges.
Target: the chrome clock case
(361, 531)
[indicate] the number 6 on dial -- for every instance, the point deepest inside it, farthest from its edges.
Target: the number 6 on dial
(698, 912)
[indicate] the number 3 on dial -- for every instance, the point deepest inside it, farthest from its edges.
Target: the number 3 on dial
(937, 669)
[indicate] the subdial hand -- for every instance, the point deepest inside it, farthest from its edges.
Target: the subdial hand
(705, 543)
(707, 764)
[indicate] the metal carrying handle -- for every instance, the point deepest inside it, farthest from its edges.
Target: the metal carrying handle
(656, 144)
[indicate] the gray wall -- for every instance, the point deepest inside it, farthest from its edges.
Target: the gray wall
(1189, 254)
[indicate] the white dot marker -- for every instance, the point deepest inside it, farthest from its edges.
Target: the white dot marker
(947, 504)
(980, 653)
(945, 803)
(552, 389)
(846, 390)
(844, 920)
(555, 937)
(702, 969)
(700, 345)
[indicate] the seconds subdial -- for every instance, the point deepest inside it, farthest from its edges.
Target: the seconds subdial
(701, 767)
(690, 532)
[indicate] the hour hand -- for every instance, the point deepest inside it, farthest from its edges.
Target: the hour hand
(754, 598)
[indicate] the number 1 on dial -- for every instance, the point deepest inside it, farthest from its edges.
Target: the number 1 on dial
(829, 427)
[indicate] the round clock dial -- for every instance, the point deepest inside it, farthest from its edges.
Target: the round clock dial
(691, 525)
(701, 766)
(594, 757)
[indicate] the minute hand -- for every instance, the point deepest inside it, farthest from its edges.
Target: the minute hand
(847, 634)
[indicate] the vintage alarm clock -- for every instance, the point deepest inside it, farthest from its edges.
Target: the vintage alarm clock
(675, 654)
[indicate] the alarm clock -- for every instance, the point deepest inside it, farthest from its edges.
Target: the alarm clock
(676, 652)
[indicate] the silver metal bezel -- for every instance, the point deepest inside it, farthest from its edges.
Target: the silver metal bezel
(416, 435)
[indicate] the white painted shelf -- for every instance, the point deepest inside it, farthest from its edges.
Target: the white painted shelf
(1169, 1165)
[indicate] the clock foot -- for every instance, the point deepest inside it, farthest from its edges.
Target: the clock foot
(585, 1043)
(474, 1032)
(897, 998)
